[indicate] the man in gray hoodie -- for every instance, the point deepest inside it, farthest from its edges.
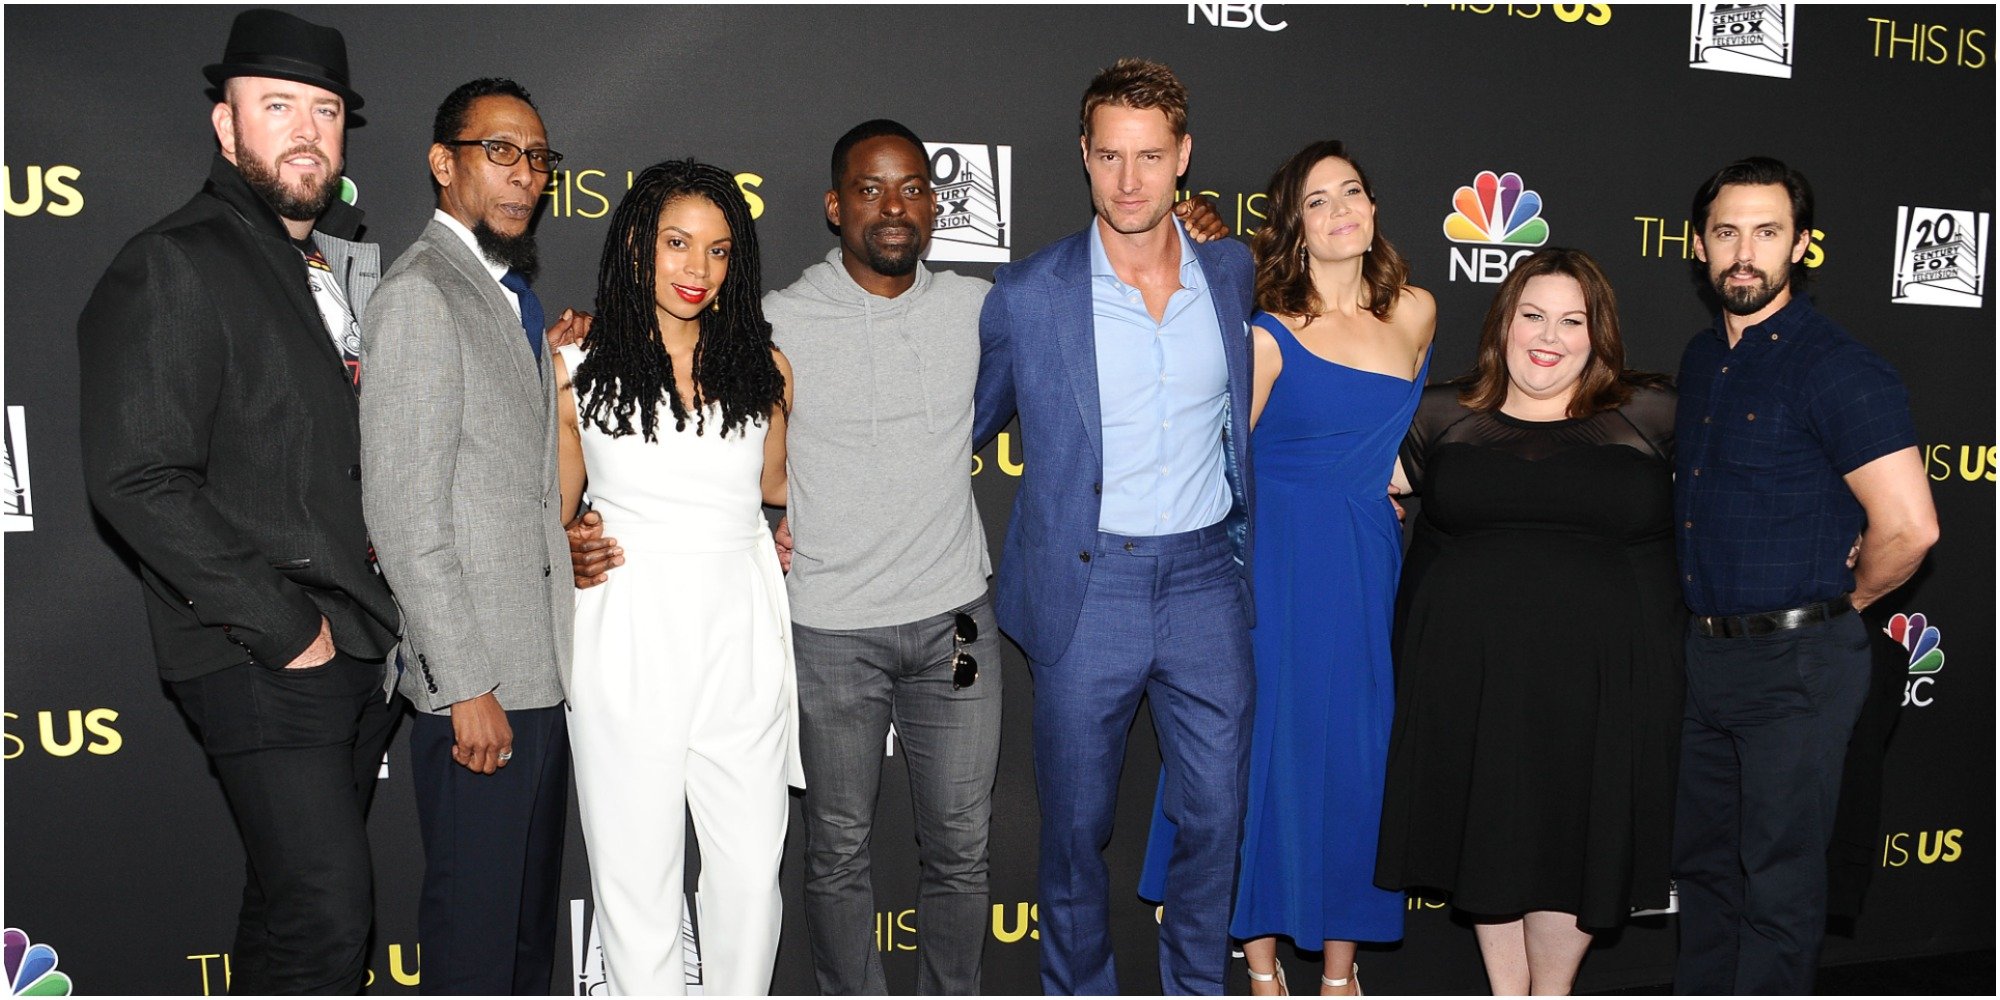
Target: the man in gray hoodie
(891, 618)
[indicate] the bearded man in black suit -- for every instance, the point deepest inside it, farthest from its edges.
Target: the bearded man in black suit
(220, 365)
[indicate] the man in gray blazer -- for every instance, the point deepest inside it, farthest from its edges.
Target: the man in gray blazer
(460, 489)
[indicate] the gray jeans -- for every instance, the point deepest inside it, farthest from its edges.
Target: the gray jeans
(852, 685)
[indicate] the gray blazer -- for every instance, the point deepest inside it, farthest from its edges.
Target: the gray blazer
(460, 486)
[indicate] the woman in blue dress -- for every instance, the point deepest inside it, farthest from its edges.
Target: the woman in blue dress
(1341, 348)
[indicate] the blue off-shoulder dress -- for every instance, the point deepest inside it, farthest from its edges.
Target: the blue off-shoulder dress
(1328, 552)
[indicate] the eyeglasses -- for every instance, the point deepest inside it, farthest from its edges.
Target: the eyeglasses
(964, 669)
(506, 154)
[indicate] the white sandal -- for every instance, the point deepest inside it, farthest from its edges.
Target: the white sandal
(1277, 974)
(1353, 976)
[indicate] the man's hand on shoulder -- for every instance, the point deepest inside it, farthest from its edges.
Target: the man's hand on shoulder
(569, 328)
(592, 556)
(482, 741)
(1203, 222)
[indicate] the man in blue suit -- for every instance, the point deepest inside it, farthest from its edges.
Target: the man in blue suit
(1124, 350)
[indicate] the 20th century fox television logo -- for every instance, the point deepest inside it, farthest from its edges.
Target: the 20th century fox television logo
(975, 202)
(17, 506)
(1941, 256)
(1754, 38)
(586, 950)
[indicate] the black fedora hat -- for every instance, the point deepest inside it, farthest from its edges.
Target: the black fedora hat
(275, 44)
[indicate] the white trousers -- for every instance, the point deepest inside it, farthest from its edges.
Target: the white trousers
(681, 703)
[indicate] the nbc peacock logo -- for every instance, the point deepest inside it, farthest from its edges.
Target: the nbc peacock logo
(1497, 208)
(31, 968)
(1919, 639)
(1502, 218)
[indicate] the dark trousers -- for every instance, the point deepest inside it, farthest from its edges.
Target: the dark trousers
(1163, 618)
(1857, 828)
(297, 752)
(852, 684)
(492, 857)
(1762, 742)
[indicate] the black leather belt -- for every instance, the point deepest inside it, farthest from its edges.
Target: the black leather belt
(1765, 623)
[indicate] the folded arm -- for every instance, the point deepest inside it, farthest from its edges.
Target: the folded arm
(1902, 523)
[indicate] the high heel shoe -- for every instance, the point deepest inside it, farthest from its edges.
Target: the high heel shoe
(1276, 974)
(1353, 976)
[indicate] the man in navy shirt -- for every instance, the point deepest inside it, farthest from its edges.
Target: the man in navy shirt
(1792, 440)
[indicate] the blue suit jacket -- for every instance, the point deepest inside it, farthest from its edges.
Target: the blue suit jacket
(1038, 358)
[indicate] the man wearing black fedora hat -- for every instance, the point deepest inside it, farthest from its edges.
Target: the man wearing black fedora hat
(220, 366)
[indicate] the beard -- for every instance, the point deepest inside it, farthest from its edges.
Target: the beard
(517, 251)
(1745, 300)
(298, 206)
(893, 262)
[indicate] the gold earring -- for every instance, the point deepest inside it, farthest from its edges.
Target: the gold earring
(715, 306)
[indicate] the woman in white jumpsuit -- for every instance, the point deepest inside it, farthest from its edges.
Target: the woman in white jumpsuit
(681, 698)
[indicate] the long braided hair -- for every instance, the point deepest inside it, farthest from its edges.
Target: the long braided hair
(628, 368)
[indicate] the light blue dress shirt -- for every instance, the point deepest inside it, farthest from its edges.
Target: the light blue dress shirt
(1163, 391)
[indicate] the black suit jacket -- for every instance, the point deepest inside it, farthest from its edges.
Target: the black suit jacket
(221, 436)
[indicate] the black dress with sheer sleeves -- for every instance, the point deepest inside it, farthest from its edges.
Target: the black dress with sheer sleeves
(1539, 681)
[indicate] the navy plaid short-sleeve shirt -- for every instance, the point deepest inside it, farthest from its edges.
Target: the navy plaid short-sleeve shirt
(1764, 434)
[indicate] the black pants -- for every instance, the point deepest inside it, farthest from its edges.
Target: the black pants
(298, 752)
(1857, 828)
(492, 857)
(1762, 744)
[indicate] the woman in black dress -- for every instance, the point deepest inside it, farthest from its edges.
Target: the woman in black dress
(1539, 685)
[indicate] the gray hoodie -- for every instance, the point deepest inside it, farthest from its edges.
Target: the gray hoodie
(879, 446)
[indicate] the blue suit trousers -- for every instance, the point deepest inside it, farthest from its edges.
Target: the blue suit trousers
(1166, 617)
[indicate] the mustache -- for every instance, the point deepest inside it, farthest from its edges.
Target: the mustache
(305, 149)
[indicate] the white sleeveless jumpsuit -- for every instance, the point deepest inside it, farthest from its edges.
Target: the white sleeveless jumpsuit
(682, 702)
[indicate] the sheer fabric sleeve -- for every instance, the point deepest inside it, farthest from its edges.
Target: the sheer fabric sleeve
(1650, 411)
(1437, 410)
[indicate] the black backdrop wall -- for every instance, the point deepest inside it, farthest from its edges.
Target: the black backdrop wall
(119, 850)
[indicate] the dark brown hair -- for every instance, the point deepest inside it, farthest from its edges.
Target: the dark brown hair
(1284, 282)
(1139, 84)
(1757, 171)
(1604, 385)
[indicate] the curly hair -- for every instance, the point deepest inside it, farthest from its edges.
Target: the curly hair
(1284, 282)
(628, 368)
